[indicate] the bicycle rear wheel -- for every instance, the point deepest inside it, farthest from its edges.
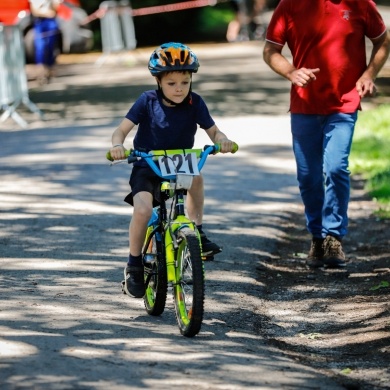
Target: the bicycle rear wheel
(188, 293)
(155, 277)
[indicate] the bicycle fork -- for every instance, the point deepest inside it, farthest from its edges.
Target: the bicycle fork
(171, 245)
(148, 252)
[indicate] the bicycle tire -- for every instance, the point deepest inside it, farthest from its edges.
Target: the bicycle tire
(188, 292)
(156, 274)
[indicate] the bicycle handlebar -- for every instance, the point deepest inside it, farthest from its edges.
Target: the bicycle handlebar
(132, 155)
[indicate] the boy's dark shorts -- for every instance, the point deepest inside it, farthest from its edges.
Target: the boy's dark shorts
(144, 179)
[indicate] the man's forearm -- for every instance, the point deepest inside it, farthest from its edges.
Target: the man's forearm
(277, 62)
(379, 56)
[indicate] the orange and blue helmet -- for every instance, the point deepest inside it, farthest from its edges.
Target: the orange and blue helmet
(171, 57)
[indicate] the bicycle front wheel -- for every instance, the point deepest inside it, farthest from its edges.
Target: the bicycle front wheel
(188, 292)
(155, 277)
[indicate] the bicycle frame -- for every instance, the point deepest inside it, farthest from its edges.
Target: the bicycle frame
(172, 250)
(181, 220)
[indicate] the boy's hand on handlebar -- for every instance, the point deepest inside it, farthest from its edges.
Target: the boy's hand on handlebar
(117, 152)
(227, 146)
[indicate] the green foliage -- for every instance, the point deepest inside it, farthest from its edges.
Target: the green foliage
(382, 284)
(370, 154)
(379, 185)
(213, 22)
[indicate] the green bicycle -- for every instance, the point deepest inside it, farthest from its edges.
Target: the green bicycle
(172, 250)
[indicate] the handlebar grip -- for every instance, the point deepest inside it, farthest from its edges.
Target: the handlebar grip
(234, 148)
(109, 157)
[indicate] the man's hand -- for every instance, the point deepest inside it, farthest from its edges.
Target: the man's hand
(365, 87)
(303, 77)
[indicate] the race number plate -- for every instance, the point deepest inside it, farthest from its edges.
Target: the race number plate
(179, 163)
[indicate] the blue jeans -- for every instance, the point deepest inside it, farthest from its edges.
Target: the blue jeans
(321, 145)
(45, 40)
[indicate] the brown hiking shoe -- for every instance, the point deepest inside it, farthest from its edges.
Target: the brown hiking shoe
(316, 253)
(334, 256)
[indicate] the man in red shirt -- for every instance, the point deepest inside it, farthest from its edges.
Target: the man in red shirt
(329, 76)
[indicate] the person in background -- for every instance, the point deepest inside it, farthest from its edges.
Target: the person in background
(167, 118)
(329, 76)
(246, 24)
(46, 32)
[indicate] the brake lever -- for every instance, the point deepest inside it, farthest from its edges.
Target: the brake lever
(115, 162)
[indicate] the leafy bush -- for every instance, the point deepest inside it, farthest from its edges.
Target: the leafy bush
(370, 154)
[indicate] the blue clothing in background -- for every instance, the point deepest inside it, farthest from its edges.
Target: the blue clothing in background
(45, 40)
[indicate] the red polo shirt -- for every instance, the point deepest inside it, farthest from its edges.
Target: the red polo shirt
(330, 35)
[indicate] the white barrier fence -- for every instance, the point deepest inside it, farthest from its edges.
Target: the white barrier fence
(117, 28)
(13, 79)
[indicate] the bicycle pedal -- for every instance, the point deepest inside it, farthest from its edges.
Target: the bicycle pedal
(210, 255)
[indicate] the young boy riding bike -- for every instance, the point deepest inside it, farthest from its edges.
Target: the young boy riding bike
(167, 118)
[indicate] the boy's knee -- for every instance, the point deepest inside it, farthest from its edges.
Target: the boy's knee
(142, 213)
(143, 209)
(197, 181)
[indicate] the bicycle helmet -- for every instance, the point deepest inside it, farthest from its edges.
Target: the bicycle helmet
(172, 56)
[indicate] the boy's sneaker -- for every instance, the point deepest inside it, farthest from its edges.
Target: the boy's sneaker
(134, 284)
(334, 256)
(316, 253)
(208, 248)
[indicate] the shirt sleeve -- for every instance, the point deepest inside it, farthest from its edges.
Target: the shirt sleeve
(375, 23)
(204, 119)
(276, 30)
(138, 110)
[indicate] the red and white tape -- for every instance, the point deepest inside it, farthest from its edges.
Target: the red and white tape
(173, 7)
(156, 9)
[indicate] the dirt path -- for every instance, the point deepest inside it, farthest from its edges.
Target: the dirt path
(270, 322)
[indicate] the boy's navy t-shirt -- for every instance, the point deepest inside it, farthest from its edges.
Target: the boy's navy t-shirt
(162, 127)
